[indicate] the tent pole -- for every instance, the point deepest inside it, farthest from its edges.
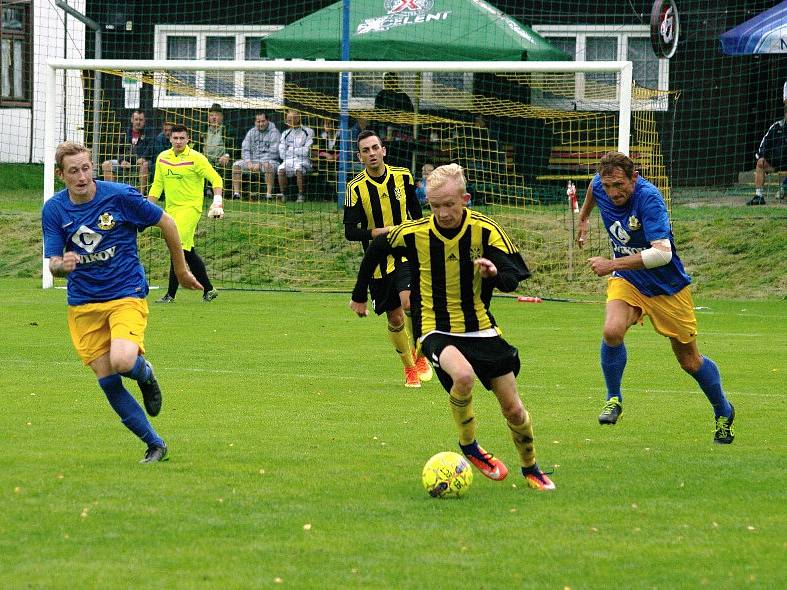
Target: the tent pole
(344, 96)
(417, 108)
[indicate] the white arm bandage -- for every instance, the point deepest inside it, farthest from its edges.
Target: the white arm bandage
(659, 254)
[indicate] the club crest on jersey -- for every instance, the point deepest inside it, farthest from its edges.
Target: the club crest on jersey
(634, 223)
(106, 221)
(398, 193)
(475, 253)
(620, 234)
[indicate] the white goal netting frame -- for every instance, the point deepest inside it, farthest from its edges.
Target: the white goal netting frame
(59, 116)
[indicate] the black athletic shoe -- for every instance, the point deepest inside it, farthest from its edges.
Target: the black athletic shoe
(166, 299)
(724, 434)
(210, 295)
(756, 200)
(151, 393)
(611, 412)
(155, 454)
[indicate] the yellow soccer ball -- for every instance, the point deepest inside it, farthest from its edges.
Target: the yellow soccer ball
(447, 475)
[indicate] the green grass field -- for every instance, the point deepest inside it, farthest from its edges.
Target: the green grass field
(731, 251)
(296, 455)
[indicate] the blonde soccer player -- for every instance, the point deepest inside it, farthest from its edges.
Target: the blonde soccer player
(458, 257)
(90, 237)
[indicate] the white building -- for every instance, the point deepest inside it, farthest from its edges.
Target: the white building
(31, 32)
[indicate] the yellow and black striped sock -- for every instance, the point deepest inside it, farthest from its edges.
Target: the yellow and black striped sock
(522, 435)
(408, 325)
(401, 340)
(462, 410)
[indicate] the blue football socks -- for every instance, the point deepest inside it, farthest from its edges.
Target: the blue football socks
(613, 361)
(710, 381)
(140, 371)
(131, 414)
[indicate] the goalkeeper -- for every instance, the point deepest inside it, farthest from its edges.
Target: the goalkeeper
(180, 174)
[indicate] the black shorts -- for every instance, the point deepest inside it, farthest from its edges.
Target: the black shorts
(490, 357)
(776, 160)
(385, 292)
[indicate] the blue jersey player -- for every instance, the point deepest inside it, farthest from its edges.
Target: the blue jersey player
(647, 278)
(90, 237)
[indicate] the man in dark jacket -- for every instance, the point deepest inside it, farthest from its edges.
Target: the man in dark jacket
(134, 155)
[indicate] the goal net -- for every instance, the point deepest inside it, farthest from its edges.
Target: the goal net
(521, 130)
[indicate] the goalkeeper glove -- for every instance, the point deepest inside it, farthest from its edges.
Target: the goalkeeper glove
(217, 208)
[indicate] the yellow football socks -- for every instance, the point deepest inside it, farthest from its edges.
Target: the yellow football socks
(522, 434)
(401, 340)
(408, 325)
(462, 410)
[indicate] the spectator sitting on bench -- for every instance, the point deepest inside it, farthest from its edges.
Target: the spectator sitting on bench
(327, 148)
(259, 153)
(215, 137)
(295, 153)
(771, 155)
(135, 152)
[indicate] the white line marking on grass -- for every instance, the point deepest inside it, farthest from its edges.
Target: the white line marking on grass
(523, 385)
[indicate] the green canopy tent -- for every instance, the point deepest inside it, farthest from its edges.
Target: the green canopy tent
(407, 30)
(413, 30)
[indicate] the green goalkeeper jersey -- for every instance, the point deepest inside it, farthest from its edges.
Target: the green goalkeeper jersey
(182, 178)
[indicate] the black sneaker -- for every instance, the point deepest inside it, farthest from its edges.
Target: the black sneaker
(724, 434)
(757, 200)
(166, 299)
(611, 412)
(151, 393)
(210, 295)
(155, 454)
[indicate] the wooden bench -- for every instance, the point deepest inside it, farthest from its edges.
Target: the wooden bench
(579, 162)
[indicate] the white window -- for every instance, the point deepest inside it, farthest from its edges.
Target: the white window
(595, 92)
(15, 44)
(201, 89)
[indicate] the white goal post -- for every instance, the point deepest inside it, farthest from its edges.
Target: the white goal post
(622, 68)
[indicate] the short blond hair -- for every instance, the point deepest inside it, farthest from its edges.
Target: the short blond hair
(68, 148)
(447, 172)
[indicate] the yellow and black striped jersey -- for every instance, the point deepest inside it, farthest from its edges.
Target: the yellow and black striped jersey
(370, 204)
(448, 293)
